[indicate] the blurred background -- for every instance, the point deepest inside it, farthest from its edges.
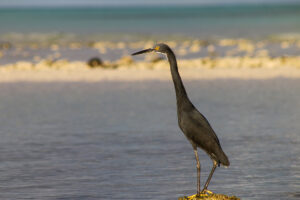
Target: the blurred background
(40, 30)
(120, 139)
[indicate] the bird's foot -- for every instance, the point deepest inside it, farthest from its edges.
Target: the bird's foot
(206, 191)
(197, 196)
(203, 194)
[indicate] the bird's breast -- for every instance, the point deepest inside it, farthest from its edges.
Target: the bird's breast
(183, 123)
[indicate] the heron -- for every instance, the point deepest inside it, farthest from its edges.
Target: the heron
(192, 123)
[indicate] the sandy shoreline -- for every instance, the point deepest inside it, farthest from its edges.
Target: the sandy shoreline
(142, 75)
(129, 70)
(197, 59)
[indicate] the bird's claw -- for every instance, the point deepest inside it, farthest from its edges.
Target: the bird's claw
(203, 194)
(205, 191)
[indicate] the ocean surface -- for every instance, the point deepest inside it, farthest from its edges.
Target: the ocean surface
(35, 34)
(118, 140)
(130, 23)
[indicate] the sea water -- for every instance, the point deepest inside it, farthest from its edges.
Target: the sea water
(246, 21)
(120, 140)
(35, 34)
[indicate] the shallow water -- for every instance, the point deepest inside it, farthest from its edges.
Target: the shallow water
(231, 20)
(116, 140)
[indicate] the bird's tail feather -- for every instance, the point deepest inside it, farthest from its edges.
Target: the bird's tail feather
(223, 159)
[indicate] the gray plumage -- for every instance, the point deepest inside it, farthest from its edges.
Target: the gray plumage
(193, 124)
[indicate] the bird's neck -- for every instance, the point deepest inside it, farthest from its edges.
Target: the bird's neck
(181, 95)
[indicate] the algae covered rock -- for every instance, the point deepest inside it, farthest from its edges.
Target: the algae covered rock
(95, 62)
(209, 196)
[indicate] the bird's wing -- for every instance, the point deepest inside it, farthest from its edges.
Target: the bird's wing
(198, 130)
(203, 126)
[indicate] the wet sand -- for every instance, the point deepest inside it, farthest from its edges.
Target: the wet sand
(127, 69)
(197, 59)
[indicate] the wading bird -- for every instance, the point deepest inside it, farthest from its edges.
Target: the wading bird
(193, 124)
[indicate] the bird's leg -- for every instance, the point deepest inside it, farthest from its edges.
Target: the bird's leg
(198, 172)
(210, 175)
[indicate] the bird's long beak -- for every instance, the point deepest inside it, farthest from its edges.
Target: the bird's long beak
(143, 51)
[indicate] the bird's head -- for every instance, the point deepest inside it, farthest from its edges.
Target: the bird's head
(159, 48)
